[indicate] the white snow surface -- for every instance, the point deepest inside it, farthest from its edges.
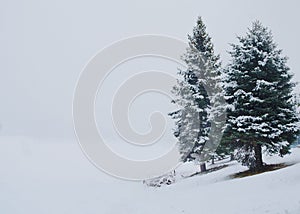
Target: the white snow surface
(53, 177)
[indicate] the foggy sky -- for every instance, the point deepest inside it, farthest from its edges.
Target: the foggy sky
(44, 45)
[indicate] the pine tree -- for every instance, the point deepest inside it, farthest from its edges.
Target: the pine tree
(259, 91)
(198, 106)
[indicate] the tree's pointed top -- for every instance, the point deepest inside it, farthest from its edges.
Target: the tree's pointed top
(200, 23)
(257, 24)
(259, 29)
(200, 40)
(257, 35)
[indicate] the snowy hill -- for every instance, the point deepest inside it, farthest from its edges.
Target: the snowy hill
(40, 177)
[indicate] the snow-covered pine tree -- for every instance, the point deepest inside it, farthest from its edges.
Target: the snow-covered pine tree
(259, 90)
(197, 106)
(296, 100)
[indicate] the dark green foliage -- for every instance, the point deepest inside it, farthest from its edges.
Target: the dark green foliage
(259, 90)
(192, 120)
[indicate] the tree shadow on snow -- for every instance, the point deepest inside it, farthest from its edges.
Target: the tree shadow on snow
(265, 168)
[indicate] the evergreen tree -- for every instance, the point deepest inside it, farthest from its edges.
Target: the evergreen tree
(259, 90)
(198, 107)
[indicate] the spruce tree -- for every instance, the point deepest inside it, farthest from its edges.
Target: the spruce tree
(197, 107)
(259, 90)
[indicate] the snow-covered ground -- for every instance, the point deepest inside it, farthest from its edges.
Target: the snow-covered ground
(51, 177)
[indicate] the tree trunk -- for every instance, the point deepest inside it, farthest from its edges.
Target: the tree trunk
(231, 157)
(202, 167)
(258, 157)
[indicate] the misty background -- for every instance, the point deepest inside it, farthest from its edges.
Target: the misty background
(44, 45)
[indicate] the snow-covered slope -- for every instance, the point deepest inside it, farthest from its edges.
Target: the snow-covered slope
(39, 177)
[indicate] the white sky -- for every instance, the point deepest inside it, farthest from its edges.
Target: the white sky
(45, 44)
